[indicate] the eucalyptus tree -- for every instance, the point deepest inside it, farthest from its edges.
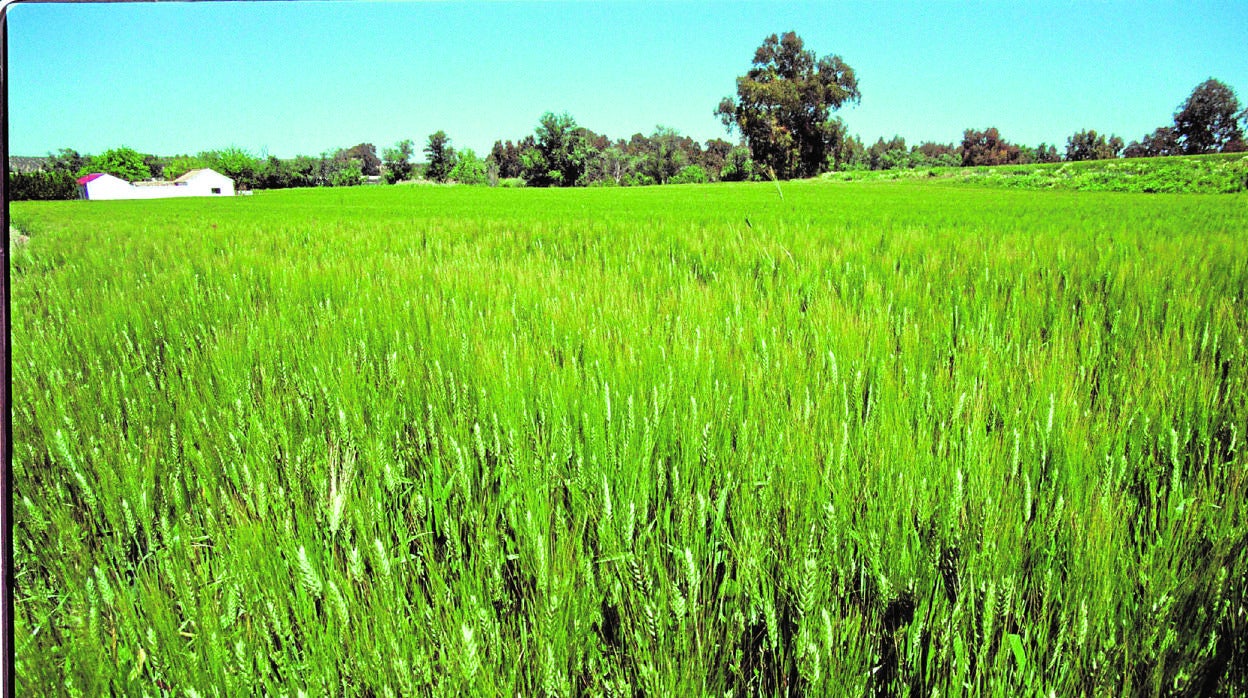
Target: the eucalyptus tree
(784, 105)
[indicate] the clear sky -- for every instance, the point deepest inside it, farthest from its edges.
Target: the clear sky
(306, 77)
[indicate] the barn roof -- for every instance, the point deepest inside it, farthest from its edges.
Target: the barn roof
(91, 177)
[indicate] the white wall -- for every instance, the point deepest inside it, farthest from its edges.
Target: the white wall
(203, 183)
(109, 187)
(159, 191)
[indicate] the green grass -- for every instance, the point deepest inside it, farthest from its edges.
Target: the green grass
(1224, 173)
(699, 440)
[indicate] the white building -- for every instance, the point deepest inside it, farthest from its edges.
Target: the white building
(206, 182)
(202, 182)
(104, 186)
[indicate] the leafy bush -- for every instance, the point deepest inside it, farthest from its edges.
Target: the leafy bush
(638, 179)
(691, 174)
(1202, 174)
(468, 169)
(1205, 174)
(738, 167)
(347, 175)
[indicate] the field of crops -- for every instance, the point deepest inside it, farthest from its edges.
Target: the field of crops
(890, 438)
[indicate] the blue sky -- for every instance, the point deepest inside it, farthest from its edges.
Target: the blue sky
(303, 78)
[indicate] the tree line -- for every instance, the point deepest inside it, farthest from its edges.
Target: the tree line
(782, 114)
(58, 175)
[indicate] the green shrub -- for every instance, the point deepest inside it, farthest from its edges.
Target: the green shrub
(469, 169)
(691, 174)
(638, 179)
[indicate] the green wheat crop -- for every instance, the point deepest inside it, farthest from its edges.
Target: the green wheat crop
(870, 439)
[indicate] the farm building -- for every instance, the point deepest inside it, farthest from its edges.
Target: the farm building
(202, 182)
(104, 186)
(206, 182)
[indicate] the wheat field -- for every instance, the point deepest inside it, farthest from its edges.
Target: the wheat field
(818, 438)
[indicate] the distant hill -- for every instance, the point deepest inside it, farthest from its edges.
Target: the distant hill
(18, 163)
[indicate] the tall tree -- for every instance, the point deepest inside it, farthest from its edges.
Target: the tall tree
(155, 165)
(850, 154)
(559, 155)
(610, 166)
(842, 145)
(784, 102)
(507, 157)
(666, 154)
(738, 167)
(398, 161)
(1162, 141)
(888, 155)
(273, 174)
(1208, 122)
(65, 160)
(932, 154)
(366, 153)
(126, 163)
(1047, 153)
(1090, 145)
(305, 171)
(441, 157)
(987, 147)
(235, 163)
(714, 155)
